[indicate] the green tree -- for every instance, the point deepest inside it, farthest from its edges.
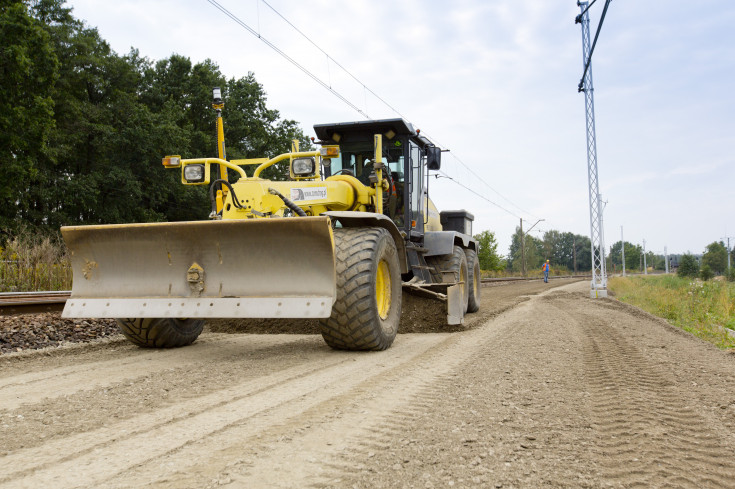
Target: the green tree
(582, 258)
(706, 272)
(29, 69)
(83, 129)
(688, 266)
(534, 249)
(557, 248)
(632, 255)
(488, 254)
(715, 256)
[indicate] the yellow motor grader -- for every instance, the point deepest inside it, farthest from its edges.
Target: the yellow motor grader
(338, 241)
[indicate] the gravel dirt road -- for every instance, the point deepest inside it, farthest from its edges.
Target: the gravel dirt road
(547, 388)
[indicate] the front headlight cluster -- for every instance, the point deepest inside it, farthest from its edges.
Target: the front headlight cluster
(303, 167)
(194, 173)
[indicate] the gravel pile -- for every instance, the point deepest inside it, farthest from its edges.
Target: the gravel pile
(35, 331)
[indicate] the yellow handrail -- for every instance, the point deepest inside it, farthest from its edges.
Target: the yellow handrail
(273, 161)
(216, 161)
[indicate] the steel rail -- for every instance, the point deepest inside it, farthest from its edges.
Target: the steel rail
(517, 279)
(13, 303)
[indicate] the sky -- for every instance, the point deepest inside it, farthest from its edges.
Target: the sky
(495, 83)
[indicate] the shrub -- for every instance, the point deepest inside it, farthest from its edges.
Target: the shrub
(730, 274)
(706, 273)
(688, 267)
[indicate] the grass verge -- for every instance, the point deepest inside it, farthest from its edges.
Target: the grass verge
(30, 262)
(705, 309)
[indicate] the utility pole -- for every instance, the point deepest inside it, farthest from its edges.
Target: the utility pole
(523, 251)
(622, 248)
(666, 259)
(728, 250)
(645, 265)
(597, 239)
(523, 244)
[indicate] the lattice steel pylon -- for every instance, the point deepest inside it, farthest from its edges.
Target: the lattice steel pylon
(599, 275)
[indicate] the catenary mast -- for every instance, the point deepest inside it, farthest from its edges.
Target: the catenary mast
(599, 274)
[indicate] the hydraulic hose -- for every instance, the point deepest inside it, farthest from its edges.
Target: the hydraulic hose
(235, 201)
(288, 202)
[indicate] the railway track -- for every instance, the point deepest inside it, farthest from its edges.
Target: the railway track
(12, 303)
(517, 279)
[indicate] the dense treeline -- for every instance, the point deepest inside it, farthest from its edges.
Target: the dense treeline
(83, 129)
(562, 249)
(572, 252)
(565, 251)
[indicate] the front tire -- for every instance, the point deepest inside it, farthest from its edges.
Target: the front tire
(367, 311)
(161, 332)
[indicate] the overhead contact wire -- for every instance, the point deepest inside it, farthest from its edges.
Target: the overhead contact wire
(365, 87)
(287, 57)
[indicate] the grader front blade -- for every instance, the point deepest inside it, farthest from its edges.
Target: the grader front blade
(256, 268)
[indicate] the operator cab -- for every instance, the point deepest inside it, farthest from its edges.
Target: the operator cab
(404, 154)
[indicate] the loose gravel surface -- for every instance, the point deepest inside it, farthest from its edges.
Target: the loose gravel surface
(35, 331)
(546, 388)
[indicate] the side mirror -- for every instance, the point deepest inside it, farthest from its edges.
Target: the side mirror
(433, 158)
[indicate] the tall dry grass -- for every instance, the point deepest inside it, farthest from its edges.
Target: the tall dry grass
(30, 262)
(705, 309)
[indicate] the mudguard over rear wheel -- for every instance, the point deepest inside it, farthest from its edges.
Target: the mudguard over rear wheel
(367, 311)
(456, 262)
(161, 332)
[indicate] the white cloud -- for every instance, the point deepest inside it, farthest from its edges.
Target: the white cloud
(495, 81)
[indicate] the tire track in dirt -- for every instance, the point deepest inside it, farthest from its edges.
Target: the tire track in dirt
(150, 436)
(64, 381)
(110, 441)
(521, 401)
(314, 443)
(495, 419)
(215, 363)
(651, 432)
(326, 443)
(317, 442)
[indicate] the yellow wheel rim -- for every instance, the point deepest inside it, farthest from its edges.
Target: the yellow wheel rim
(383, 289)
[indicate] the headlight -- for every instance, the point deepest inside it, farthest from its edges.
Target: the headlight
(303, 166)
(194, 173)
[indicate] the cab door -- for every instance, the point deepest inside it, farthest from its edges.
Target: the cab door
(415, 169)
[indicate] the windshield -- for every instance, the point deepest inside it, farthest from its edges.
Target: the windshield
(357, 159)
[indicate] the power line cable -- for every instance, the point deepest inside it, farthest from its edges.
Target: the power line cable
(459, 160)
(444, 175)
(285, 56)
(365, 87)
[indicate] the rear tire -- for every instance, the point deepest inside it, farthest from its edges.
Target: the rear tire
(367, 311)
(456, 263)
(473, 266)
(161, 332)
